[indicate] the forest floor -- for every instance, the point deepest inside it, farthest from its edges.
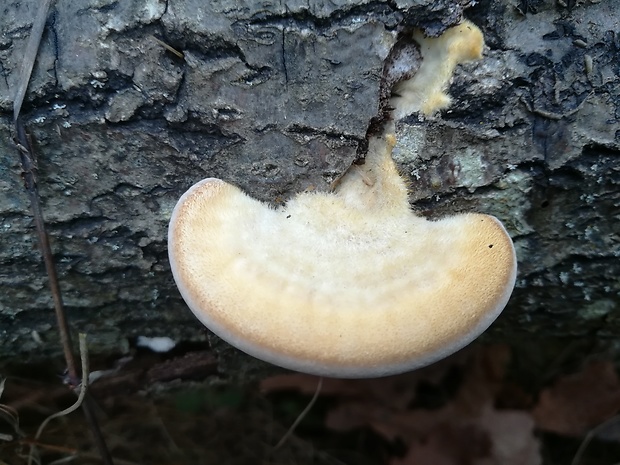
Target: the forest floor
(467, 409)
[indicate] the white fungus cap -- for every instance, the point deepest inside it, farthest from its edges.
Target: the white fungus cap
(345, 284)
(321, 288)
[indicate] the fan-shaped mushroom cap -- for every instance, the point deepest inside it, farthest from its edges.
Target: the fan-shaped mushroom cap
(338, 288)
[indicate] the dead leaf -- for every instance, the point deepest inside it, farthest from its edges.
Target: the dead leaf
(578, 402)
(466, 428)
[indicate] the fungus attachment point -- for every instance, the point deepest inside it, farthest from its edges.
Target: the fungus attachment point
(440, 56)
(346, 284)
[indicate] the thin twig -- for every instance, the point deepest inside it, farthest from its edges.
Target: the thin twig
(550, 114)
(168, 47)
(83, 388)
(10, 415)
(76, 405)
(29, 168)
(591, 434)
(301, 416)
(50, 447)
(64, 460)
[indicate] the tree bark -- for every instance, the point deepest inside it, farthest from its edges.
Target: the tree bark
(276, 98)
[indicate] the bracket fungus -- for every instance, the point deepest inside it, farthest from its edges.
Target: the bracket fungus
(349, 283)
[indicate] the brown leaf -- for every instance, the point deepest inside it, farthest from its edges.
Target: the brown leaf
(465, 430)
(579, 402)
(494, 437)
(393, 391)
(447, 445)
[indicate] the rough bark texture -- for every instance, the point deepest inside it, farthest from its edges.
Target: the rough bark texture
(275, 97)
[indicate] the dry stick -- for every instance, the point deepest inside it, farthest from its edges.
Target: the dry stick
(28, 166)
(301, 416)
(588, 438)
(29, 169)
(9, 415)
(76, 405)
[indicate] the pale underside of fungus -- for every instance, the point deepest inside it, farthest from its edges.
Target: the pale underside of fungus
(349, 283)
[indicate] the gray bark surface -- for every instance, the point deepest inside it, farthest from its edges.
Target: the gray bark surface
(275, 97)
